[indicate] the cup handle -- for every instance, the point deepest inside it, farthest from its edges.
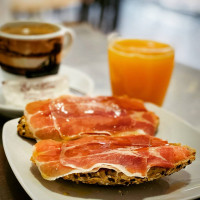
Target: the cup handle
(68, 40)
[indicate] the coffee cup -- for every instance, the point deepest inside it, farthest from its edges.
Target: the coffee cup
(32, 49)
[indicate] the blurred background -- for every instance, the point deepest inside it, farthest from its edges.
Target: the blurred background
(176, 22)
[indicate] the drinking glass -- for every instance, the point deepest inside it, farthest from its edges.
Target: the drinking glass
(140, 68)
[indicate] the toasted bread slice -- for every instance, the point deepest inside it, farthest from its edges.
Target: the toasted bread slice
(111, 177)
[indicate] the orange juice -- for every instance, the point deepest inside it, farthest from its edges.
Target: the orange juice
(140, 69)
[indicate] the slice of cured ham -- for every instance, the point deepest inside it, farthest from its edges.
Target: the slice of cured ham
(132, 155)
(67, 117)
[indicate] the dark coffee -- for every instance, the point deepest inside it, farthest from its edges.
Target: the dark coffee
(33, 28)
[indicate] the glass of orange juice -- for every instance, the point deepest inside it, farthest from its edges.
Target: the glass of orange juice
(140, 68)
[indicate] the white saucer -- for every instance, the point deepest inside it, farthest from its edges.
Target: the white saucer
(79, 83)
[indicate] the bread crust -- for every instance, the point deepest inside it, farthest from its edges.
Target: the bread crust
(23, 129)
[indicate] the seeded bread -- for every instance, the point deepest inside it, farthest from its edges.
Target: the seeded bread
(23, 130)
(111, 177)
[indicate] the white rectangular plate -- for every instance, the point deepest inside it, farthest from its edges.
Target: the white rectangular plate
(182, 185)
